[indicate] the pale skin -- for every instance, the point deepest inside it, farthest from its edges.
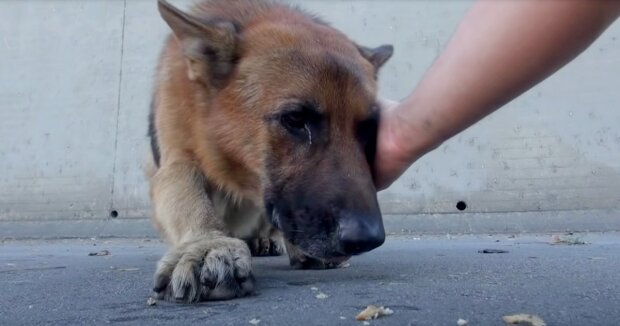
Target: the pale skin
(500, 50)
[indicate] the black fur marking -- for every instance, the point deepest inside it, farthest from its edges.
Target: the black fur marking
(152, 133)
(367, 136)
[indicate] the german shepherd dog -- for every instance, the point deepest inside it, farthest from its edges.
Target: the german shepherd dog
(262, 129)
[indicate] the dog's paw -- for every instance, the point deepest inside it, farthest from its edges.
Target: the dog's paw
(205, 269)
(260, 247)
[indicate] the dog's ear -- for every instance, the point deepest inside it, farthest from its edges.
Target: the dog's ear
(208, 44)
(377, 56)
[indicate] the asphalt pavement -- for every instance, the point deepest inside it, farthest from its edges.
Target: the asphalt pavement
(428, 280)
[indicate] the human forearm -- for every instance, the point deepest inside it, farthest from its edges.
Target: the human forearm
(501, 49)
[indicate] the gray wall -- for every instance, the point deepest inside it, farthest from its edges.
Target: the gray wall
(75, 83)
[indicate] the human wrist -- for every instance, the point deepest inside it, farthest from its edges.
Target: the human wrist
(415, 131)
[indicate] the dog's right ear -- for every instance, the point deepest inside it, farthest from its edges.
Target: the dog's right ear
(377, 56)
(209, 45)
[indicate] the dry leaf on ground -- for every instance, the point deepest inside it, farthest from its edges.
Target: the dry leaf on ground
(567, 240)
(373, 312)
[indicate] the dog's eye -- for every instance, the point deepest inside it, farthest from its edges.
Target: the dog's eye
(302, 121)
(294, 120)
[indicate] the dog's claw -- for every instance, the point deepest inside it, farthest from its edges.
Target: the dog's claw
(208, 282)
(261, 247)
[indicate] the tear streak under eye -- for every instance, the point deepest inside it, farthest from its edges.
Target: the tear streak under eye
(309, 134)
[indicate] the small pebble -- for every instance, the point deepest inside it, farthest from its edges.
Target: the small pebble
(322, 296)
(100, 253)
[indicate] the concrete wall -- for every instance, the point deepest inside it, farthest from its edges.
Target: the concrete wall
(75, 83)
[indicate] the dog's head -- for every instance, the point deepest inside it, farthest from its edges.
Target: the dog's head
(292, 108)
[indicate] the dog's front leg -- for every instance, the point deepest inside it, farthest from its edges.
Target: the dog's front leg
(204, 263)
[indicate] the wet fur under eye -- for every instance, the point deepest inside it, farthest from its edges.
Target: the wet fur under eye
(301, 121)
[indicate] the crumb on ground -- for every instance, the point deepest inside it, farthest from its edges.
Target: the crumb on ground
(521, 319)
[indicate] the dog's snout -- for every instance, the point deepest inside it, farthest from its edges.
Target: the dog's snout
(359, 234)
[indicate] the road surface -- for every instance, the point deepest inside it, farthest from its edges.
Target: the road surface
(432, 280)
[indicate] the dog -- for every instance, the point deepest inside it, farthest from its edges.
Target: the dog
(262, 129)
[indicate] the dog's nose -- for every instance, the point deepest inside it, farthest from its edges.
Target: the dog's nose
(360, 234)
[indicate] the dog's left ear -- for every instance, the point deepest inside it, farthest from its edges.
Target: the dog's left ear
(377, 56)
(208, 44)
